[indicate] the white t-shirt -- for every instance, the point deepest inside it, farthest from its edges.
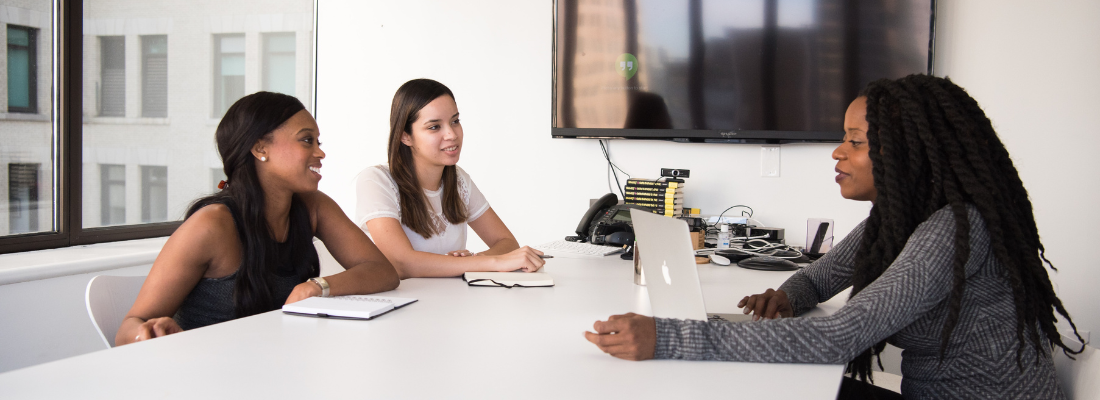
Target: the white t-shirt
(376, 196)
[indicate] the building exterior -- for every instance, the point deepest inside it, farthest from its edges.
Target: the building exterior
(157, 77)
(26, 117)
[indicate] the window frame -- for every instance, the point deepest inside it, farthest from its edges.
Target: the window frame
(32, 56)
(146, 43)
(105, 185)
(68, 75)
(32, 200)
(101, 89)
(67, 101)
(267, 55)
(150, 181)
(218, 79)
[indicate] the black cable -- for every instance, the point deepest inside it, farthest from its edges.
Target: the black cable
(612, 167)
(732, 207)
(607, 152)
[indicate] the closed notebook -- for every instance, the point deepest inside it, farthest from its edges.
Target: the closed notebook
(508, 279)
(346, 307)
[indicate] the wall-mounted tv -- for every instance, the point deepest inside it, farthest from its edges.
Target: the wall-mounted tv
(727, 71)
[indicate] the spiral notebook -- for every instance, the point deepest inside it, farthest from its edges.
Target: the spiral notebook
(346, 307)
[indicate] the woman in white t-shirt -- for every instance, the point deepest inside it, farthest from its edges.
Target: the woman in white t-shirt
(417, 207)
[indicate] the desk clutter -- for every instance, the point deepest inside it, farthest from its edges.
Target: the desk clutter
(661, 196)
(577, 248)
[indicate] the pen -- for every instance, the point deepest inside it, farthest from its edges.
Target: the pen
(544, 256)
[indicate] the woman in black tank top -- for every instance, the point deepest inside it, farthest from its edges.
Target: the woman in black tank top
(248, 249)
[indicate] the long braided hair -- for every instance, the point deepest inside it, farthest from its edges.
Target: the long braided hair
(931, 146)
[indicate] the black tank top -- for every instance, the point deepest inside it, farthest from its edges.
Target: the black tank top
(212, 299)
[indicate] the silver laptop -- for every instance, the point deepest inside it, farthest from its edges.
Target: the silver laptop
(668, 261)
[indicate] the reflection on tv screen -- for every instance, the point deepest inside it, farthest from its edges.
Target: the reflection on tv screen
(760, 65)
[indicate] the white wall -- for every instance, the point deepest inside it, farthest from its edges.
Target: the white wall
(1035, 69)
(47, 319)
(1032, 65)
(496, 57)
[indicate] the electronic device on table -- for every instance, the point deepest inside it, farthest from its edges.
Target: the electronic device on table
(672, 279)
(727, 71)
(606, 223)
(585, 249)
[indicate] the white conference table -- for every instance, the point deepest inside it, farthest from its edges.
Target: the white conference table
(457, 341)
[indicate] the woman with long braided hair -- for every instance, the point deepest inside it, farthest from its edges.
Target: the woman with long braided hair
(948, 266)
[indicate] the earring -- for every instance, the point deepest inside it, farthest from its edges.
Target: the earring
(264, 159)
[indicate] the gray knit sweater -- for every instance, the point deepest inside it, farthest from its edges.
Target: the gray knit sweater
(907, 306)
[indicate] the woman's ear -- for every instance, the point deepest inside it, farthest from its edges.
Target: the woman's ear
(406, 139)
(259, 150)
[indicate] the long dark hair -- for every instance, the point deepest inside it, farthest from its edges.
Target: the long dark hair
(931, 146)
(410, 98)
(250, 119)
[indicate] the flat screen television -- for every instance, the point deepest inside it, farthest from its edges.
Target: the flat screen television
(728, 71)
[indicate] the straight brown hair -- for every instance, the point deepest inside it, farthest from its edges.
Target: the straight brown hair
(410, 98)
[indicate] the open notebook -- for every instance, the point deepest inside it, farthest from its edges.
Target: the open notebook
(346, 307)
(508, 279)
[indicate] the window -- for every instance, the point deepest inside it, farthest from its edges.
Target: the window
(22, 70)
(128, 119)
(23, 198)
(228, 71)
(112, 94)
(154, 76)
(113, 194)
(154, 193)
(279, 62)
(28, 138)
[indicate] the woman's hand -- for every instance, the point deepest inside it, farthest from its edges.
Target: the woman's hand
(629, 336)
(461, 253)
(304, 291)
(771, 304)
(523, 258)
(157, 327)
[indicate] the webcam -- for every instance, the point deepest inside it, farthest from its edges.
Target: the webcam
(675, 173)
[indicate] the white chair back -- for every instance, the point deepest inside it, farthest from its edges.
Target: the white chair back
(1080, 379)
(109, 298)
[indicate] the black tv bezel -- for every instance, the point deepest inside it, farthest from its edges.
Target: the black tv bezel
(734, 136)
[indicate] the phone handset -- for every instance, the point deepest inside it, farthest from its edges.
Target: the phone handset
(597, 209)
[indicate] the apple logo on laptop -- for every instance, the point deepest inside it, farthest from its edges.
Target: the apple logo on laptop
(664, 269)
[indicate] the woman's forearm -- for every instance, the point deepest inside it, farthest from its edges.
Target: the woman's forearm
(501, 246)
(127, 332)
(366, 278)
(419, 264)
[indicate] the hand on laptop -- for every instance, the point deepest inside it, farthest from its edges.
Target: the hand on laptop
(771, 304)
(629, 336)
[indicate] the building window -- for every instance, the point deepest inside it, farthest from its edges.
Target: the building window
(23, 198)
(279, 63)
(112, 181)
(228, 71)
(112, 92)
(120, 109)
(154, 193)
(22, 70)
(154, 76)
